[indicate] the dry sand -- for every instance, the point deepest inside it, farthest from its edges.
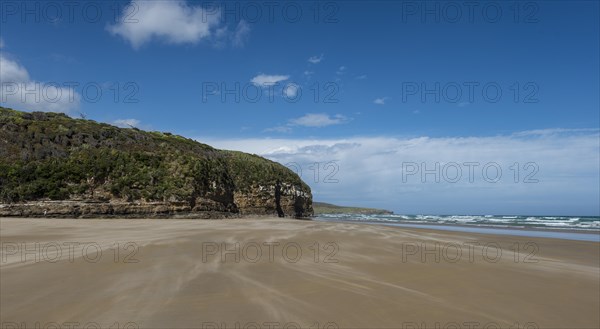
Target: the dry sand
(184, 274)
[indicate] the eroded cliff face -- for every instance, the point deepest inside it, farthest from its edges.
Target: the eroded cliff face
(53, 165)
(281, 200)
(108, 209)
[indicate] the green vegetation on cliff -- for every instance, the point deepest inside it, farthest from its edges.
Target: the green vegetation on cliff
(327, 208)
(50, 156)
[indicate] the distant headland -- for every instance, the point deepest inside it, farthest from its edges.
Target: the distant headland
(327, 208)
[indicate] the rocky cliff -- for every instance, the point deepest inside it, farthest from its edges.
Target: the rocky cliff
(53, 165)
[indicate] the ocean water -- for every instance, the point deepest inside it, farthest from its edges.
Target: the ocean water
(559, 227)
(514, 222)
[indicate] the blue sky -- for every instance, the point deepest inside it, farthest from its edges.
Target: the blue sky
(167, 66)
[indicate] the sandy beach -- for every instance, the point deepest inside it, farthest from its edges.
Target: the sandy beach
(274, 273)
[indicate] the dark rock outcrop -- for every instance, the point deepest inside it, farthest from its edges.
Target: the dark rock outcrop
(53, 165)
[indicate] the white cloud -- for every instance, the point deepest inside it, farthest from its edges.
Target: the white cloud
(266, 80)
(18, 91)
(126, 123)
(380, 101)
(12, 71)
(240, 36)
(553, 131)
(370, 171)
(309, 73)
(1, 43)
(279, 129)
(318, 120)
(361, 77)
(291, 90)
(342, 70)
(237, 37)
(172, 21)
(316, 59)
(312, 120)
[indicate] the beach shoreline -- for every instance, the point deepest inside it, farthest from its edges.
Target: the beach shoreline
(539, 232)
(160, 273)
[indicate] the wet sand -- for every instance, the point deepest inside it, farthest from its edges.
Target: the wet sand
(274, 273)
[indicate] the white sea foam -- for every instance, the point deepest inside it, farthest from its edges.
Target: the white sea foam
(560, 222)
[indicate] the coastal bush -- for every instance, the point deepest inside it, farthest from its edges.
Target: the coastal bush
(49, 156)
